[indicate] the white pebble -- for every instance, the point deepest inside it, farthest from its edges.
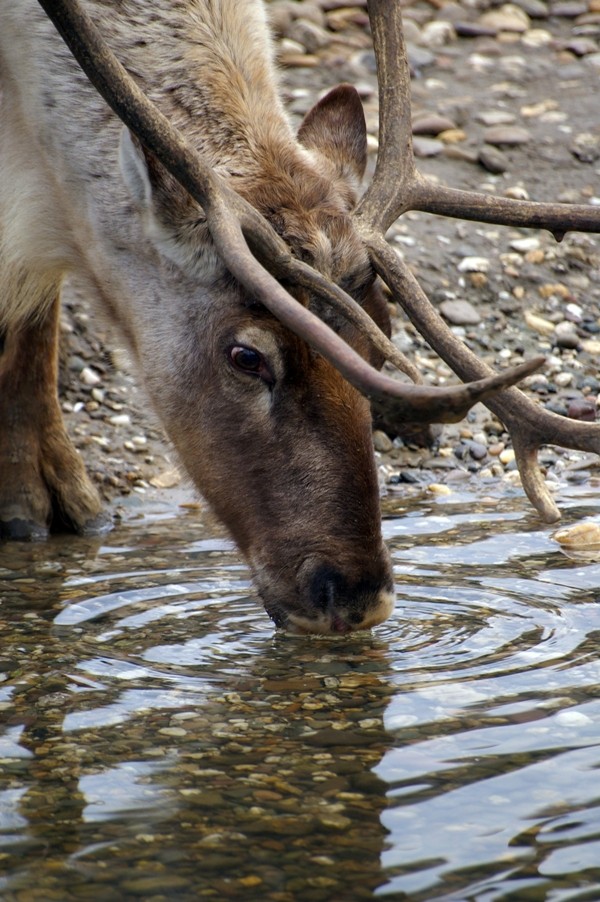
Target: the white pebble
(563, 379)
(572, 719)
(89, 376)
(474, 264)
(438, 488)
(121, 419)
(523, 245)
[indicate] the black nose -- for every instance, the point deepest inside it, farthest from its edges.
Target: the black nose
(329, 592)
(325, 587)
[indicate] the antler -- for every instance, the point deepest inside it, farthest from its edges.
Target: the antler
(236, 227)
(397, 187)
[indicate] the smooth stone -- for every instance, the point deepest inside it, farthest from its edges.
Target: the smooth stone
(535, 9)
(460, 313)
(586, 147)
(579, 535)
(582, 409)
(382, 442)
(474, 264)
(493, 159)
(438, 33)
(474, 30)
(506, 134)
(427, 147)
(507, 18)
(431, 124)
(419, 57)
(582, 46)
(566, 335)
(569, 9)
(495, 117)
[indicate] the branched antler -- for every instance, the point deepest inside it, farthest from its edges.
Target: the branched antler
(235, 227)
(398, 187)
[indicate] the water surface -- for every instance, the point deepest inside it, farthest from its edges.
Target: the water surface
(160, 741)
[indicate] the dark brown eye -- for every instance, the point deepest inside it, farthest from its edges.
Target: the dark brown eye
(251, 362)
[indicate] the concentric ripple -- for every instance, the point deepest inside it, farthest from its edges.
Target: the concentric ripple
(162, 740)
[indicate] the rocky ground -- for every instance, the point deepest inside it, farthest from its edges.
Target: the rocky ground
(505, 100)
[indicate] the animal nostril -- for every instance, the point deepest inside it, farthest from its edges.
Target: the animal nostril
(326, 588)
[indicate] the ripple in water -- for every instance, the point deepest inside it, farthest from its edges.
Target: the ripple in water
(161, 740)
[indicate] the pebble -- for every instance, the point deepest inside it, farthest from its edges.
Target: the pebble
(581, 46)
(120, 419)
(572, 719)
(419, 57)
(569, 8)
(509, 135)
(453, 136)
(535, 9)
(583, 409)
(460, 313)
(537, 37)
(89, 376)
(474, 264)
(586, 147)
(508, 17)
(493, 159)
(438, 488)
(580, 535)
(437, 33)
(431, 124)
(382, 441)
(506, 456)
(591, 346)
(563, 379)
(309, 35)
(538, 323)
(427, 147)
(496, 117)
(565, 335)
(523, 245)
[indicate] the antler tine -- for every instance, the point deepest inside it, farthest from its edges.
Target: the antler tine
(530, 426)
(428, 197)
(385, 198)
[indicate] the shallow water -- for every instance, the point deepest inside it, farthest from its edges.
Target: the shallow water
(159, 741)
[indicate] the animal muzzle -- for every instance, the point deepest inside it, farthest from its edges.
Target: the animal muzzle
(331, 602)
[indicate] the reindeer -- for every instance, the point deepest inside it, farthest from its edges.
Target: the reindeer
(234, 258)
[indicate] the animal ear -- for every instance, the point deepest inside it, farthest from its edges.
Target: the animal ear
(152, 188)
(134, 169)
(171, 218)
(336, 128)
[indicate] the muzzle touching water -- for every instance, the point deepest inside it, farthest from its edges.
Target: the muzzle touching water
(327, 601)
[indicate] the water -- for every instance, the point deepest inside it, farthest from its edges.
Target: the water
(159, 741)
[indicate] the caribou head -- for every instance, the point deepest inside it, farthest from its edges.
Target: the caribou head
(267, 402)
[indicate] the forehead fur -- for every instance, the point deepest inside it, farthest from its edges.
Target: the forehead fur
(307, 207)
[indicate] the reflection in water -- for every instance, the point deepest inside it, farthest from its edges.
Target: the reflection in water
(159, 741)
